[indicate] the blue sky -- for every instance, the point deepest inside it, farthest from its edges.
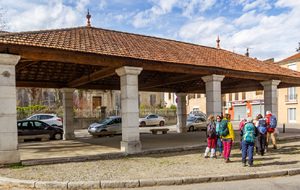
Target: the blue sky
(270, 28)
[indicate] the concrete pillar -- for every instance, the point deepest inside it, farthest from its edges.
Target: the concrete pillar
(9, 152)
(271, 96)
(68, 120)
(181, 112)
(130, 112)
(213, 94)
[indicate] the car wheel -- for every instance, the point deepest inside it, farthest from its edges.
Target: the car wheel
(143, 124)
(191, 128)
(161, 123)
(57, 136)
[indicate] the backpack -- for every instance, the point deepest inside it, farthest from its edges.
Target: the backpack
(223, 128)
(211, 131)
(249, 130)
(262, 126)
(273, 122)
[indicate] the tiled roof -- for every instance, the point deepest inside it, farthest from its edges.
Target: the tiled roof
(289, 59)
(109, 42)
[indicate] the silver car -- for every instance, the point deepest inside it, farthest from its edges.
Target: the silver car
(113, 123)
(50, 119)
(152, 119)
(196, 123)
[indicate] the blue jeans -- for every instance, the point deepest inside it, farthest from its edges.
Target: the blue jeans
(245, 147)
(220, 144)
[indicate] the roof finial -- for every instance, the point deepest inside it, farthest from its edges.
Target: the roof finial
(218, 42)
(88, 16)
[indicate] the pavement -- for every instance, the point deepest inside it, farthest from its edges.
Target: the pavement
(85, 148)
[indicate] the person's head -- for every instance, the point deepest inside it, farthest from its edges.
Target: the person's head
(227, 116)
(268, 112)
(259, 116)
(218, 118)
(250, 120)
(211, 117)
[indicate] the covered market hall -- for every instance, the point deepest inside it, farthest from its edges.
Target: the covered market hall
(95, 58)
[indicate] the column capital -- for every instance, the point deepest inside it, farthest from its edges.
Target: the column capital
(127, 70)
(68, 89)
(209, 78)
(182, 94)
(270, 82)
(8, 59)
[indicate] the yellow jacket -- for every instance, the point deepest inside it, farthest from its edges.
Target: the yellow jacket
(230, 129)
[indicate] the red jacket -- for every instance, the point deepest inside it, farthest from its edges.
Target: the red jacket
(267, 117)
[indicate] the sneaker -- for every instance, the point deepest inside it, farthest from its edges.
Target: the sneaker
(250, 165)
(206, 156)
(220, 154)
(227, 161)
(244, 164)
(274, 147)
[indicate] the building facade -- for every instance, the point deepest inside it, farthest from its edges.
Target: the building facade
(288, 106)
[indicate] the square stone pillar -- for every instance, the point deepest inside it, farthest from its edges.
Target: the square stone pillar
(181, 112)
(213, 94)
(271, 96)
(9, 152)
(68, 120)
(130, 111)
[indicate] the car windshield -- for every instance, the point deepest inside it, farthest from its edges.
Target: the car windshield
(107, 121)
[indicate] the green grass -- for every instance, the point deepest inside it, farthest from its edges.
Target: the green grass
(17, 166)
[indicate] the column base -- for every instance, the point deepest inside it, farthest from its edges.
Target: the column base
(69, 136)
(10, 157)
(131, 147)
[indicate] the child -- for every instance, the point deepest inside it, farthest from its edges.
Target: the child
(211, 137)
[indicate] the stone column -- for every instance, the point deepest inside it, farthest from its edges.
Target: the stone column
(181, 112)
(9, 152)
(68, 120)
(213, 94)
(130, 111)
(271, 96)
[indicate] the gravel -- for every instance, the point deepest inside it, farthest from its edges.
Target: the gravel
(163, 165)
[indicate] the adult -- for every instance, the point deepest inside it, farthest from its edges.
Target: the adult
(219, 142)
(248, 142)
(270, 131)
(228, 139)
(241, 125)
(261, 125)
(211, 137)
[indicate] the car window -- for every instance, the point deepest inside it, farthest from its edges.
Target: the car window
(27, 125)
(118, 120)
(202, 119)
(46, 116)
(33, 117)
(153, 116)
(39, 125)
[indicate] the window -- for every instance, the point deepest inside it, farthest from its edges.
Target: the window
(198, 95)
(292, 94)
(170, 96)
(243, 95)
(230, 97)
(49, 98)
(236, 96)
(118, 100)
(292, 115)
(293, 66)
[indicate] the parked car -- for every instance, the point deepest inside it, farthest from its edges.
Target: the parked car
(196, 123)
(36, 127)
(196, 113)
(50, 119)
(113, 123)
(152, 119)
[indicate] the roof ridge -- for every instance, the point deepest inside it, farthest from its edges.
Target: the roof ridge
(297, 56)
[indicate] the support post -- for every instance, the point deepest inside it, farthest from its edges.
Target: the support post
(130, 112)
(271, 96)
(213, 94)
(181, 112)
(9, 153)
(68, 120)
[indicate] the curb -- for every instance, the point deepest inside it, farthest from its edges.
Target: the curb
(143, 182)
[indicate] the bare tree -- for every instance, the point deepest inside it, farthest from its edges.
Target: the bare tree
(3, 24)
(298, 49)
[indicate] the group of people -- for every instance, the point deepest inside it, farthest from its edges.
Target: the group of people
(254, 133)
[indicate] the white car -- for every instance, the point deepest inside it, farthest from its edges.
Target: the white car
(50, 119)
(152, 119)
(113, 123)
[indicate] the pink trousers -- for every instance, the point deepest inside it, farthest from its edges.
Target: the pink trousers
(227, 148)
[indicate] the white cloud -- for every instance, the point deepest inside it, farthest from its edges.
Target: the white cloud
(248, 19)
(261, 4)
(102, 4)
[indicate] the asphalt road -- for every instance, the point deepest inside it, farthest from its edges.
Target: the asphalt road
(278, 183)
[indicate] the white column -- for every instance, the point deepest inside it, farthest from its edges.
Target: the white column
(130, 111)
(68, 120)
(181, 112)
(213, 94)
(271, 96)
(9, 152)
